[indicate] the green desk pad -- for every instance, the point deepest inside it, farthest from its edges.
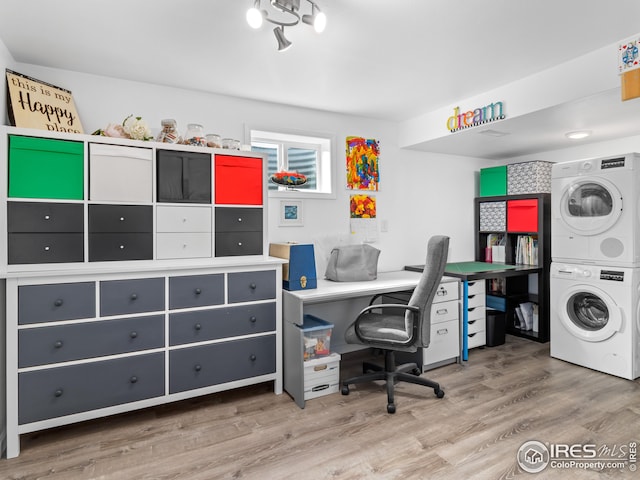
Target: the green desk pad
(474, 267)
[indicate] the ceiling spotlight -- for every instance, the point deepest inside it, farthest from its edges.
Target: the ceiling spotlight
(286, 15)
(283, 43)
(577, 135)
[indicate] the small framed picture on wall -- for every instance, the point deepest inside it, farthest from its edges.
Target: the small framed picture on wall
(291, 213)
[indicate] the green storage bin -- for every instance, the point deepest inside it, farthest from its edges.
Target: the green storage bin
(493, 181)
(46, 168)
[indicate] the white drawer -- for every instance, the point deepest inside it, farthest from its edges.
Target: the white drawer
(183, 219)
(477, 300)
(444, 344)
(476, 313)
(446, 291)
(476, 287)
(444, 311)
(477, 339)
(183, 245)
(478, 325)
(120, 174)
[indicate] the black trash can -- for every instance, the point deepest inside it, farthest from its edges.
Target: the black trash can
(496, 328)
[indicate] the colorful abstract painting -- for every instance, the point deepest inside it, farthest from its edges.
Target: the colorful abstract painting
(362, 163)
(362, 206)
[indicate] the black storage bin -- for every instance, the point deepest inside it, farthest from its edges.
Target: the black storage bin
(496, 327)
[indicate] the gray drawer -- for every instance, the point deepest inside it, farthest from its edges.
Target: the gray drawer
(56, 301)
(29, 248)
(184, 176)
(62, 343)
(120, 218)
(250, 286)
(45, 217)
(206, 365)
(54, 392)
(202, 325)
(196, 291)
(106, 247)
(238, 219)
(120, 297)
(238, 243)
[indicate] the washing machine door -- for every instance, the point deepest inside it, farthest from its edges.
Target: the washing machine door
(589, 313)
(590, 205)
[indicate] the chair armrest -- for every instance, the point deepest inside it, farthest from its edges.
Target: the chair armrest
(384, 306)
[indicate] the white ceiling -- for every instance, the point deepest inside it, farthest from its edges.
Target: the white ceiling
(391, 60)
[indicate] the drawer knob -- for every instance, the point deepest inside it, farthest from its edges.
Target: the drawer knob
(121, 247)
(47, 217)
(47, 248)
(443, 331)
(441, 293)
(197, 291)
(197, 367)
(58, 392)
(253, 286)
(240, 219)
(134, 296)
(197, 326)
(442, 311)
(253, 319)
(133, 379)
(133, 334)
(252, 357)
(239, 244)
(122, 219)
(58, 302)
(58, 344)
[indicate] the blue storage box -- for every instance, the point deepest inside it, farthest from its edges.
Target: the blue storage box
(300, 272)
(497, 303)
(317, 337)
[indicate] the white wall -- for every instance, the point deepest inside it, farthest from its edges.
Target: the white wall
(6, 61)
(588, 150)
(421, 194)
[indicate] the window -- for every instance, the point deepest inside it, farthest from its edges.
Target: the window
(308, 155)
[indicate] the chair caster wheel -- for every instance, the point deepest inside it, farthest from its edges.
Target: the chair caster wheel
(417, 372)
(439, 393)
(345, 390)
(391, 408)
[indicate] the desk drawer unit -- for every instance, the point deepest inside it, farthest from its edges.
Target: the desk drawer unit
(445, 326)
(476, 314)
(202, 366)
(54, 392)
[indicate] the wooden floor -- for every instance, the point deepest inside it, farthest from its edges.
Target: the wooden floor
(503, 397)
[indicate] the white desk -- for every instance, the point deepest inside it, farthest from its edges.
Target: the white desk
(338, 303)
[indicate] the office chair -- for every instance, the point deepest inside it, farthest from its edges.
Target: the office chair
(400, 328)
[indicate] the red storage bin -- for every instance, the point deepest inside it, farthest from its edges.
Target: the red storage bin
(238, 180)
(522, 215)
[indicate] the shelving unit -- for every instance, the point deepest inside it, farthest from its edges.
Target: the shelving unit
(132, 274)
(512, 216)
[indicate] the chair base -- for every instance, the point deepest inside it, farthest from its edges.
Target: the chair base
(391, 374)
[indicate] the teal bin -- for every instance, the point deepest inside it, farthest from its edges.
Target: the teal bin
(493, 181)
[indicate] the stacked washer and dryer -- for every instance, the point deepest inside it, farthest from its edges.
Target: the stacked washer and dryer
(595, 269)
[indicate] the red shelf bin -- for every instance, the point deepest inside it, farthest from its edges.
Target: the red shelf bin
(522, 215)
(238, 180)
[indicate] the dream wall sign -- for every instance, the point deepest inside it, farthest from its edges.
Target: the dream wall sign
(36, 104)
(475, 116)
(362, 163)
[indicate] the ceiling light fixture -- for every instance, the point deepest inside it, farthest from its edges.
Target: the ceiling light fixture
(578, 135)
(256, 16)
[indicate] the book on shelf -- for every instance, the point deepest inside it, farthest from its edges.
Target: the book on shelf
(495, 249)
(526, 250)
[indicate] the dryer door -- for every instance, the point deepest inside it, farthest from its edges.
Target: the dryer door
(589, 206)
(590, 313)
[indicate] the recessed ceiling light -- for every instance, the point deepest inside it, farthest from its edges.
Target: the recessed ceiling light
(578, 134)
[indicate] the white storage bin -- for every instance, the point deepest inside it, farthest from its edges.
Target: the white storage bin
(321, 376)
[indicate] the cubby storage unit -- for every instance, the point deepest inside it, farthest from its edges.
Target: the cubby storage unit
(125, 283)
(526, 234)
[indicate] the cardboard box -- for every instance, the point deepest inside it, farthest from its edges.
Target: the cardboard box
(321, 376)
(300, 272)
